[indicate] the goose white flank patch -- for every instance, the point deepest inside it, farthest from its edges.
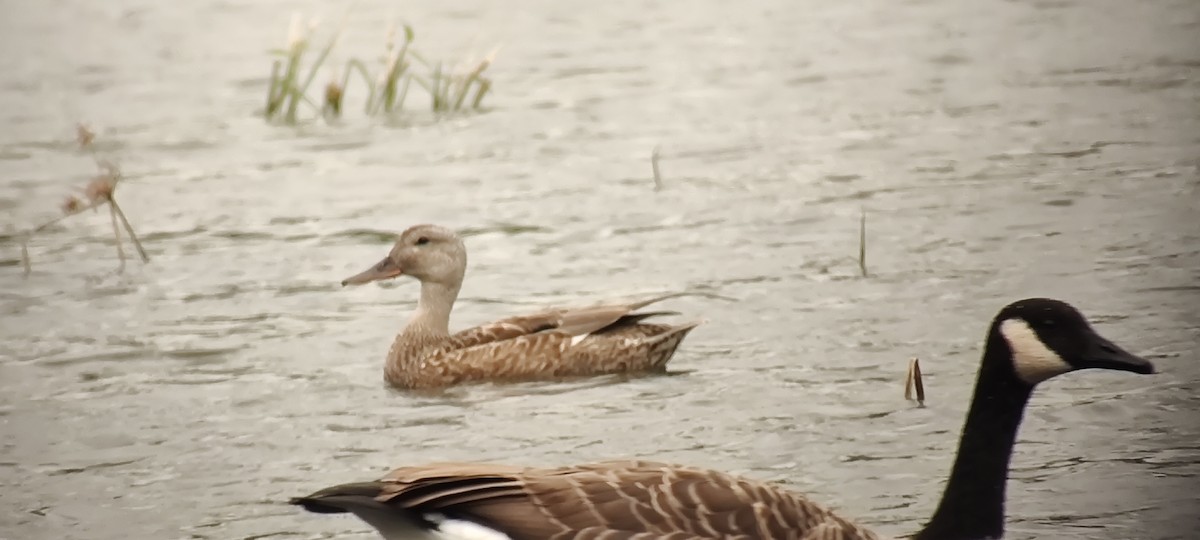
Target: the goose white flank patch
(642, 500)
(596, 340)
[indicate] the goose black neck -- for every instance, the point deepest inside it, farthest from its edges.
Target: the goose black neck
(972, 506)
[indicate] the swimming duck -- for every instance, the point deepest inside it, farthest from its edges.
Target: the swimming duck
(1028, 342)
(556, 343)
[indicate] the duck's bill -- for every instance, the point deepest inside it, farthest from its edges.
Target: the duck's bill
(385, 269)
(1104, 354)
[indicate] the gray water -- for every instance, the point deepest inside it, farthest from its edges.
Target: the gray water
(999, 149)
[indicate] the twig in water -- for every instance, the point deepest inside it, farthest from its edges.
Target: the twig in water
(98, 192)
(862, 242)
(658, 185)
(129, 229)
(913, 381)
(112, 212)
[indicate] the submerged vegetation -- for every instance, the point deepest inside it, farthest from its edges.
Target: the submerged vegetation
(99, 191)
(457, 88)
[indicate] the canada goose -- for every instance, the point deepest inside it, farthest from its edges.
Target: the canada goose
(1028, 342)
(593, 340)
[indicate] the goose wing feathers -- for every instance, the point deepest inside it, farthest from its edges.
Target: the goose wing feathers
(621, 500)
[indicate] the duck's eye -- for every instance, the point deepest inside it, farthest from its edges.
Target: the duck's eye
(422, 241)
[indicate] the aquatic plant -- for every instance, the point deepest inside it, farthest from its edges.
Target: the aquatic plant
(287, 89)
(449, 90)
(453, 90)
(99, 191)
(393, 79)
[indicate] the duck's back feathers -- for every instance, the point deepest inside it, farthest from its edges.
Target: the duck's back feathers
(555, 343)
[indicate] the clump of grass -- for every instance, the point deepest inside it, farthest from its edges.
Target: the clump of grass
(449, 90)
(913, 382)
(289, 82)
(394, 78)
(99, 191)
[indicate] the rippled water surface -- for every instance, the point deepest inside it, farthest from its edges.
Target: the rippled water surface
(1000, 150)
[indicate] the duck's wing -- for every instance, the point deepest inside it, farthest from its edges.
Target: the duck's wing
(633, 500)
(572, 322)
(554, 354)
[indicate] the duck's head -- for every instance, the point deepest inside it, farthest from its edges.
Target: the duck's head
(1049, 337)
(427, 252)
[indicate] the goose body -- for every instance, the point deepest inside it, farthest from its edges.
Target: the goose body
(556, 343)
(1028, 342)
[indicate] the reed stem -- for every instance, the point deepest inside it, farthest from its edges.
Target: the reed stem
(658, 185)
(112, 212)
(129, 229)
(862, 242)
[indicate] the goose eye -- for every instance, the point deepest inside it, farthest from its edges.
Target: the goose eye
(422, 241)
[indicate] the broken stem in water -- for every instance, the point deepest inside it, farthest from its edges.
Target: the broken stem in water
(129, 229)
(912, 381)
(112, 212)
(26, 262)
(658, 185)
(862, 242)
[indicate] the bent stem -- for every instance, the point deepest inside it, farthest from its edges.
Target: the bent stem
(129, 229)
(26, 261)
(112, 212)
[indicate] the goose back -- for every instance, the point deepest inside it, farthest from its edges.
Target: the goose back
(606, 500)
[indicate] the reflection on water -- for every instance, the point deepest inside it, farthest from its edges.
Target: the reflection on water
(1002, 150)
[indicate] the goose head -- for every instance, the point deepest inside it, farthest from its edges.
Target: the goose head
(1046, 338)
(430, 253)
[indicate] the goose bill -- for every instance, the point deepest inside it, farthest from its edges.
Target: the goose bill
(1104, 354)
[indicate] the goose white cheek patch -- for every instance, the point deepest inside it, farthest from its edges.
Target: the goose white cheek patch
(1033, 361)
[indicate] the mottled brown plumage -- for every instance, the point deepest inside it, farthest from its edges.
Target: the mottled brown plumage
(608, 500)
(1029, 342)
(556, 343)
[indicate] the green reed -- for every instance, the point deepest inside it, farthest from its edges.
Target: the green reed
(290, 79)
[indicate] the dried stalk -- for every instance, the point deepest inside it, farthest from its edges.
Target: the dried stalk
(112, 212)
(912, 381)
(99, 191)
(129, 229)
(862, 243)
(658, 185)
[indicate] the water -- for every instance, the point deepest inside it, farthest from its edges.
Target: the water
(1000, 149)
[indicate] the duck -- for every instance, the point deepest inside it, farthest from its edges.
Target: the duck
(552, 344)
(1028, 342)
